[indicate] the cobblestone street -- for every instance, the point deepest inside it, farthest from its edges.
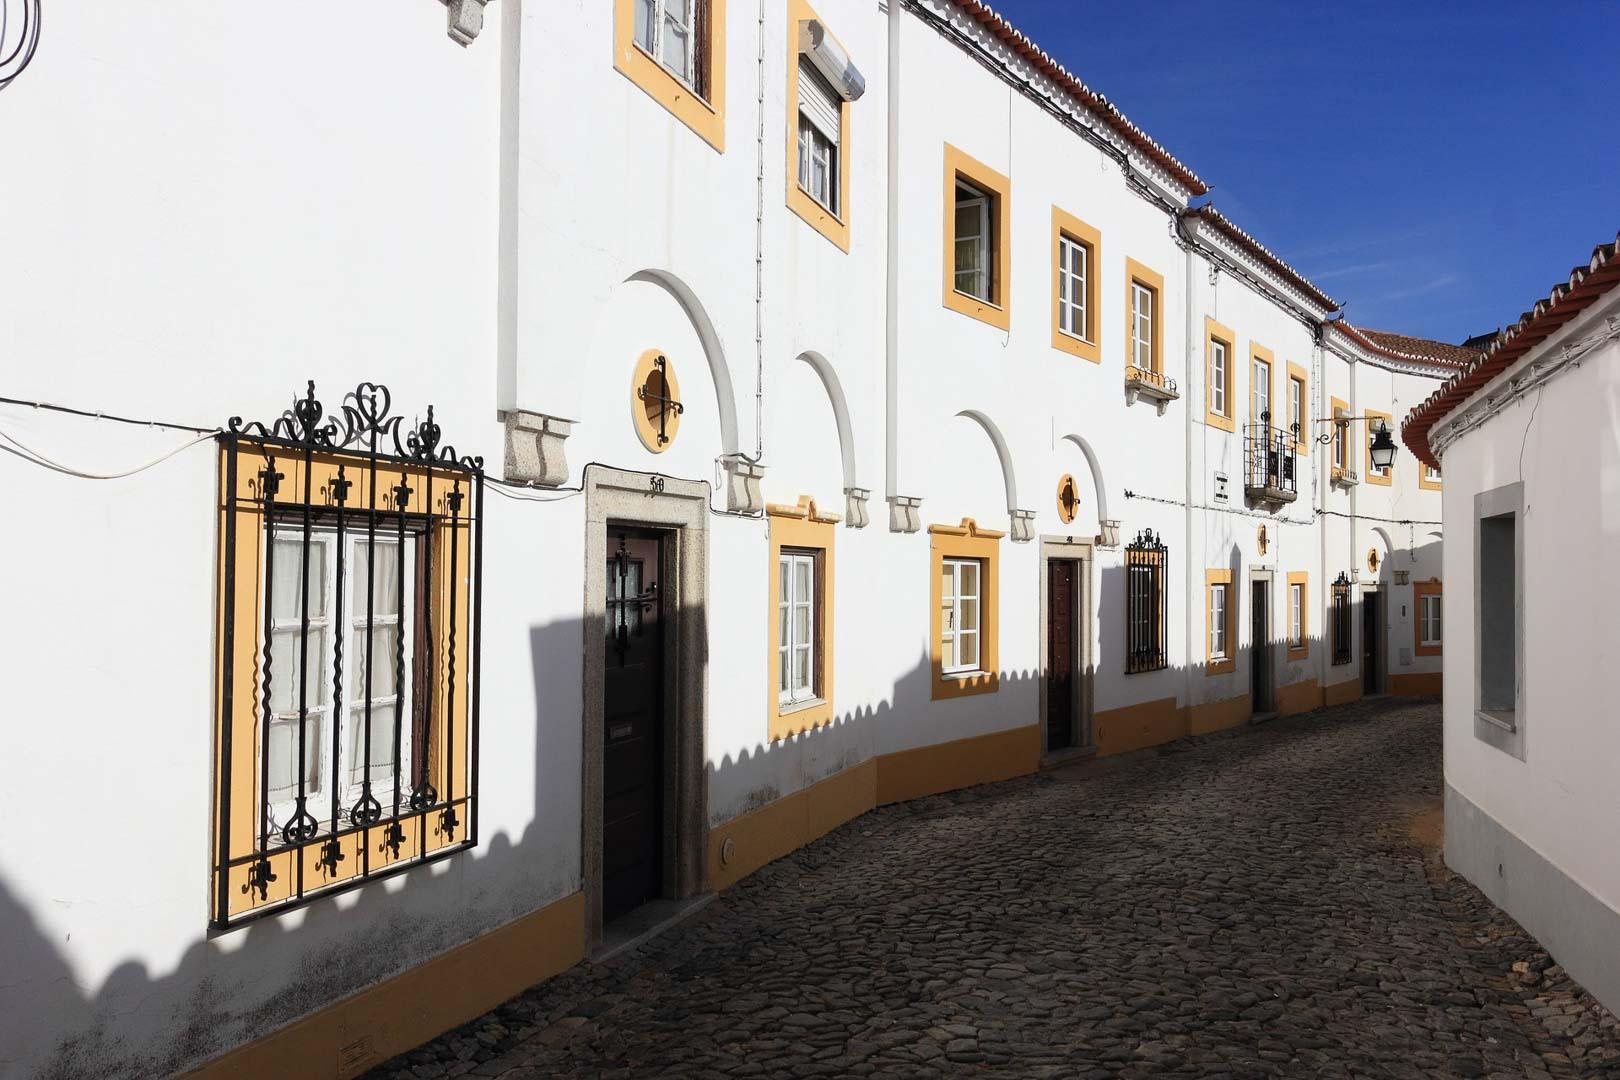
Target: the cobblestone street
(1268, 901)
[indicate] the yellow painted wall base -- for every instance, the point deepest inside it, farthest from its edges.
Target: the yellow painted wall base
(1342, 693)
(1136, 727)
(1219, 715)
(349, 1037)
(983, 759)
(1415, 685)
(1299, 697)
(789, 823)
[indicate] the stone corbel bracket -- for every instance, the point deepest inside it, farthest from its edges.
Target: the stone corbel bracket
(742, 485)
(1023, 526)
(1108, 534)
(466, 19)
(534, 448)
(905, 513)
(855, 514)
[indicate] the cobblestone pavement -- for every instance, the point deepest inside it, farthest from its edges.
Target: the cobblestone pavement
(1265, 902)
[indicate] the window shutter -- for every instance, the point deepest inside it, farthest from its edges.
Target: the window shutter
(818, 103)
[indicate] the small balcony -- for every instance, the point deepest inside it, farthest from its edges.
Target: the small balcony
(1152, 385)
(1270, 467)
(1344, 477)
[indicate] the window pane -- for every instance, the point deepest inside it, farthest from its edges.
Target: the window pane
(801, 623)
(947, 651)
(384, 580)
(382, 744)
(947, 583)
(284, 752)
(801, 668)
(287, 588)
(784, 581)
(969, 615)
(380, 684)
(782, 670)
(782, 624)
(968, 649)
(802, 569)
(284, 660)
(970, 578)
(646, 13)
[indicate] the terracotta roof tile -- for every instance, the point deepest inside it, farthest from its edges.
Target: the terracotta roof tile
(1585, 286)
(1101, 106)
(1439, 352)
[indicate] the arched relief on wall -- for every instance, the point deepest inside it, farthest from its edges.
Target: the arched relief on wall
(1023, 521)
(1107, 527)
(855, 496)
(713, 351)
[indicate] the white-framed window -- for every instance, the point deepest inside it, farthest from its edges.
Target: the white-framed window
(376, 656)
(820, 137)
(1296, 408)
(1217, 622)
(974, 270)
(960, 611)
(1074, 271)
(1142, 300)
(1431, 474)
(1218, 360)
(1261, 383)
(1296, 616)
(665, 32)
(796, 627)
(1429, 619)
(1340, 426)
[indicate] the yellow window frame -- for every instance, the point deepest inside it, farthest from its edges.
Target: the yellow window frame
(801, 526)
(706, 118)
(997, 310)
(966, 541)
(1065, 224)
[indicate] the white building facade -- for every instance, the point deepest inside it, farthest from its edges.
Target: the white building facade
(865, 409)
(1529, 442)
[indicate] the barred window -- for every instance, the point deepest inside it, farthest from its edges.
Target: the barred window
(1145, 604)
(347, 703)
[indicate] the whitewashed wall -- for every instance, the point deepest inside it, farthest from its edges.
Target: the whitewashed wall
(203, 211)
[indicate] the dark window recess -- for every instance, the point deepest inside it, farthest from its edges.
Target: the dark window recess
(1145, 603)
(1269, 462)
(1341, 619)
(351, 583)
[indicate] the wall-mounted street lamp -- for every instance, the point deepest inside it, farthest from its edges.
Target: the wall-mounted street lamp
(1382, 446)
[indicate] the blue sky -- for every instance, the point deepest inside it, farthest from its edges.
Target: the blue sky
(1435, 166)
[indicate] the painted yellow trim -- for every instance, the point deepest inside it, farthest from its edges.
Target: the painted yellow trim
(345, 1039)
(1136, 272)
(1420, 589)
(1088, 348)
(988, 180)
(1298, 697)
(1423, 479)
(1220, 715)
(966, 541)
(834, 227)
(1068, 498)
(980, 759)
(1368, 475)
(1213, 332)
(706, 118)
(1417, 684)
(1342, 693)
(1138, 726)
(1258, 351)
(1302, 437)
(245, 717)
(646, 426)
(1225, 666)
(1342, 430)
(782, 827)
(1302, 578)
(801, 526)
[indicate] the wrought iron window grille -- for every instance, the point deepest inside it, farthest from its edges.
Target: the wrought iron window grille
(1270, 461)
(1145, 598)
(1341, 619)
(347, 710)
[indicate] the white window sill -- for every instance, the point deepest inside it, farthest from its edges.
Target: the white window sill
(1506, 719)
(787, 708)
(966, 673)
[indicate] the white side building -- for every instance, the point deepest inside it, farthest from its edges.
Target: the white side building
(866, 409)
(1529, 436)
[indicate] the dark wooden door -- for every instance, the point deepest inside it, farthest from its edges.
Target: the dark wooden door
(1260, 647)
(1061, 653)
(632, 744)
(1372, 622)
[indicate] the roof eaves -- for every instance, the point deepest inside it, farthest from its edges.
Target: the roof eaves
(1264, 254)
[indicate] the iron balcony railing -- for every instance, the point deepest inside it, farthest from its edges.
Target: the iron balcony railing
(1270, 463)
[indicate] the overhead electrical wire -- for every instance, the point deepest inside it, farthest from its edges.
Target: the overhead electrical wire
(27, 41)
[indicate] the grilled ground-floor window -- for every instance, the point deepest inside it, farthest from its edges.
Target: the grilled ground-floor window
(1341, 619)
(347, 705)
(1144, 604)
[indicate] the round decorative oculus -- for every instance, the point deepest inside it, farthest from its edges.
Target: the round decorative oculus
(1068, 498)
(655, 401)
(1372, 560)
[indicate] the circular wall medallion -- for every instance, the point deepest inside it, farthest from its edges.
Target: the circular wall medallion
(728, 851)
(1372, 560)
(1261, 540)
(1068, 498)
(655, 401)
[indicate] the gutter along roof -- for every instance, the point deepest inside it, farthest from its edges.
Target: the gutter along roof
(1585, 286)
